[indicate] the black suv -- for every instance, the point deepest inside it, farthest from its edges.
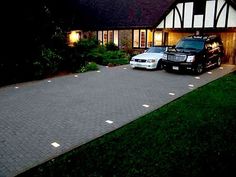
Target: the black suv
(194, 53)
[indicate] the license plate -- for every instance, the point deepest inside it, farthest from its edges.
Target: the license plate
(175, 68)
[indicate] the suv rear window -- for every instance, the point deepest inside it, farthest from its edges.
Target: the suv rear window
(190, 44)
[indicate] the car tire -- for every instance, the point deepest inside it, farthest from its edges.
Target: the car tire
(199, 68)
(159, 65)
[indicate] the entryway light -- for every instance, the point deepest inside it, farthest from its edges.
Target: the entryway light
(55, 144)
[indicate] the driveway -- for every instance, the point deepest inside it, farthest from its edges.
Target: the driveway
(43, 119)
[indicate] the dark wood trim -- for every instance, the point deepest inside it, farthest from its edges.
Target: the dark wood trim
(182, 24)
(181, 21)
(215, 14)
(193, 19)
(204, 18)
(218, 16)
(173, 22)
(227, 16)
(165, 22)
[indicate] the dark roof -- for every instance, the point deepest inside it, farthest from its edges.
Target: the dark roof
(114, 14)
(118, 14)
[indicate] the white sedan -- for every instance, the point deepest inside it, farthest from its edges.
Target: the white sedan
(151, 59)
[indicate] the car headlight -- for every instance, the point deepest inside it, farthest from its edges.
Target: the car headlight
(151, 61)
(190, 58)
(164, 56)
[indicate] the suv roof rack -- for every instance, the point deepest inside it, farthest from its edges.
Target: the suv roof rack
(206, 37)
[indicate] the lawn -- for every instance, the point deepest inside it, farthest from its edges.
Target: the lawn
(193, 136)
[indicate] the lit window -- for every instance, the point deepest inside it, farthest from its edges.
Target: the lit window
(136, 38)
(149, 38)
(116, 38)
(104, 37)
(157, 38)
(110, 36)
(142, 38)
(100, 37)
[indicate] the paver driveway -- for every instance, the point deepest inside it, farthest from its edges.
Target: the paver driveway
(72, 110)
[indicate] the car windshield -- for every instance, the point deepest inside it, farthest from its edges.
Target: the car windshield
(190, 44)
(156, 50)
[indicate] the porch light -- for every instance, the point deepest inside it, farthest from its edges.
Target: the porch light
(74, 37)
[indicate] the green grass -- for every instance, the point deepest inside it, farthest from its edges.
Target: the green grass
(193, 136)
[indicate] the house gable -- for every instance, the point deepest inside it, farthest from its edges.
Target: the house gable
(212, 14)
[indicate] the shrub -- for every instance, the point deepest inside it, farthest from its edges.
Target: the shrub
(47, 63)
(91, 66)
(111, 46)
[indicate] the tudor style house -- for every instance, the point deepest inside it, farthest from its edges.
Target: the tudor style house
(140, 24)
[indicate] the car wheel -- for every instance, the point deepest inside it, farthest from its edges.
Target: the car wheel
(199, 68)
(159, 65)
(219, 61)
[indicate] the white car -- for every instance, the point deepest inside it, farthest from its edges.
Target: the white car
(151, 59)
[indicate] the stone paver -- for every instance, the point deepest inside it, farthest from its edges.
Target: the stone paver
(72, 110)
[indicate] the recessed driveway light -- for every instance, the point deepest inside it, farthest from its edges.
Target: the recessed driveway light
(146, 105)
(109, 121)
(197, 77)
(76, 75)
(49, 81)
(124, 68)
(55, 144)
(209, 72)
(221, 68)
(107, 66)
(16, 87)
(98, 71)
(191, 85)
(172, 94)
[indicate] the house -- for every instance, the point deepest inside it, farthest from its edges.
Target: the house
(139, 24)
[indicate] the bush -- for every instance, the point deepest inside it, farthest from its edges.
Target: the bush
(91, 66)
(115, 58)
(47, 63)
(111, 46)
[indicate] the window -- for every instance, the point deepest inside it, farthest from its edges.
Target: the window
(157, 38)
(116, 38)
(142, 38)
(136, 38)
(100, 37)
(149, 38)
(108, 36)
(105, 37)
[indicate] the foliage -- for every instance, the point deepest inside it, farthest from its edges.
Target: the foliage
(47, 63)
(91, 66)
(190, 137)
(111, 46)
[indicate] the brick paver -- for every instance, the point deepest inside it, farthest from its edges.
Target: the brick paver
(73, 110)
